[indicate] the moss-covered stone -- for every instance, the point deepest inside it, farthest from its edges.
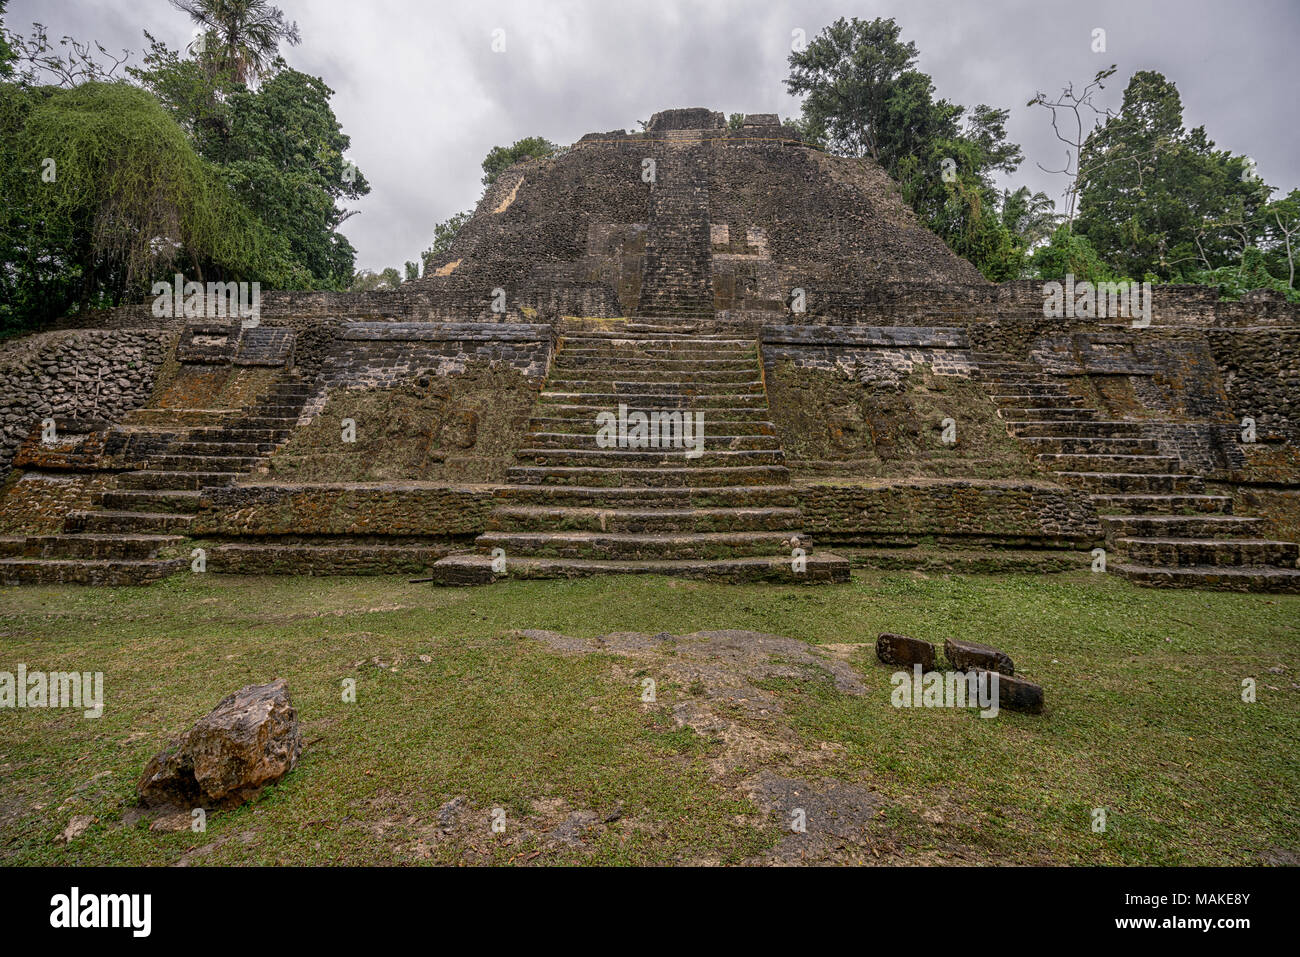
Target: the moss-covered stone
(832, 423)
(456, 428)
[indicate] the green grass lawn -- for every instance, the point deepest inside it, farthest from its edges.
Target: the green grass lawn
(457, 714)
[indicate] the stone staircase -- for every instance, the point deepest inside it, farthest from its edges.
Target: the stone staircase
(575, 508)
(1156, 517)
(133, 534)
(677, 276)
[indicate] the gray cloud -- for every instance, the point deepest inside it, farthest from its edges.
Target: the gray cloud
(423, 96)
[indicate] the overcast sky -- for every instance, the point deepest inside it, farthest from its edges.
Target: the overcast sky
(424, 97)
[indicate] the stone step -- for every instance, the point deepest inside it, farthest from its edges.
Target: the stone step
(566, 361)
(1014, 374)
(582, 420)
(619, 477)
(1046, 414)
(695, 390)
(653, 380)
(630, 330)
(1179, 526)
(1133, 482)
(332, 558)
(1185, 552)
(107, 522)
(477, 569)
(649, 457)
(1016, 377)
(85, 571)
(628, 546)
(180, 418)
(652, 402)
(609, 353)
(237, 434)
(203, 463)
(157, 479)
(571, 327)
(583, 417)
(589, 340)
(1163, 504)
(1065, 445)
(223, 448)
(643, 520)
(148, 500)
(712, 443)
(277, 422)
(1079, 462)
(1030, 400)
(1215, 577)
(1097, 428)
(85, 546)
(1031, 388)
(735, 496)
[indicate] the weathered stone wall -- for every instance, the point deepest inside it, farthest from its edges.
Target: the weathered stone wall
(93, 374)
(320, 509)
(1261, 376)
(880, 412)
(423, 424)
(368, 354)
(884, 354)
(958, 511)
(34, 502)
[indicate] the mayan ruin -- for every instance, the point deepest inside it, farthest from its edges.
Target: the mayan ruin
(585, 439)
(787, 296)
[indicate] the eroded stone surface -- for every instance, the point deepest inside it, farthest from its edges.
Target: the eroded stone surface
(895, 649)
(251, 739)
(965, 655)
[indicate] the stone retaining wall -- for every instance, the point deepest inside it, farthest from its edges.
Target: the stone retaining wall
(89, 374)
(948, 511)
(386, 509)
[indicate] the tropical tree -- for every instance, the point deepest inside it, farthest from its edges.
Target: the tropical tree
(103, 193)
(863, 96)
(241, 37)
(501, 158)
(1157, 198)
(1031, 217)
(1282, 221)
(279, 148)
(444, 234)
(369, 281)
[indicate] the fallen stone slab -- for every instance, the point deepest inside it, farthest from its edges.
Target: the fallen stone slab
(969, 656)
(1017, 694)
(901, 650)
(251, 739)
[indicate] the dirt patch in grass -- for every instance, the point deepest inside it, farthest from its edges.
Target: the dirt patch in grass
(720, 687)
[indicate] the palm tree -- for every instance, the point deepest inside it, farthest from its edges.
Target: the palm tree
(247, 33)
(1031, 216)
